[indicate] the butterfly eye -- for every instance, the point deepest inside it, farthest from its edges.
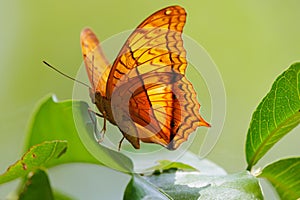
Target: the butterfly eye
(96, 97)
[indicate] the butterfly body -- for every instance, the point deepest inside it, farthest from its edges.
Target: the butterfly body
(145, 92)
(103, 104)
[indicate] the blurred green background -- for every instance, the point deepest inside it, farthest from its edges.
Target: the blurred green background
(251, 42)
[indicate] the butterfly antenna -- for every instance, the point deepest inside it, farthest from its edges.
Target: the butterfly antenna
(82, 83)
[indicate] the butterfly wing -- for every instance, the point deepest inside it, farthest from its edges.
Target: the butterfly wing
(151, 98)
(186, 113)
(164, 110)
(156, 42)
(96, 64)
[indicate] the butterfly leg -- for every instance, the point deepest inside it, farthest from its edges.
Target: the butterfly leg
(120, 143)
(100, 133)
(104, 123)
(95, 113)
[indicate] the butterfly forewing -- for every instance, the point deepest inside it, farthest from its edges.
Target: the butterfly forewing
(97, 66)
(156, 41)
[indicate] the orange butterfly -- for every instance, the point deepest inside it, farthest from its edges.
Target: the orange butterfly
(145, 92)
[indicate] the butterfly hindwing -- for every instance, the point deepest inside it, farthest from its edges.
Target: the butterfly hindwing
(164, 109)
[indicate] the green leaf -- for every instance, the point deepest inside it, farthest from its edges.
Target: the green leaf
(139, 188)
(36, 157)
(275, 116)
(164, 165)
(37, 186)
(284, 175)
(194, 185)
(56, 121)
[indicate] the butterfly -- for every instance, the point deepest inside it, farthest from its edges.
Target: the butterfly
(145, 92)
